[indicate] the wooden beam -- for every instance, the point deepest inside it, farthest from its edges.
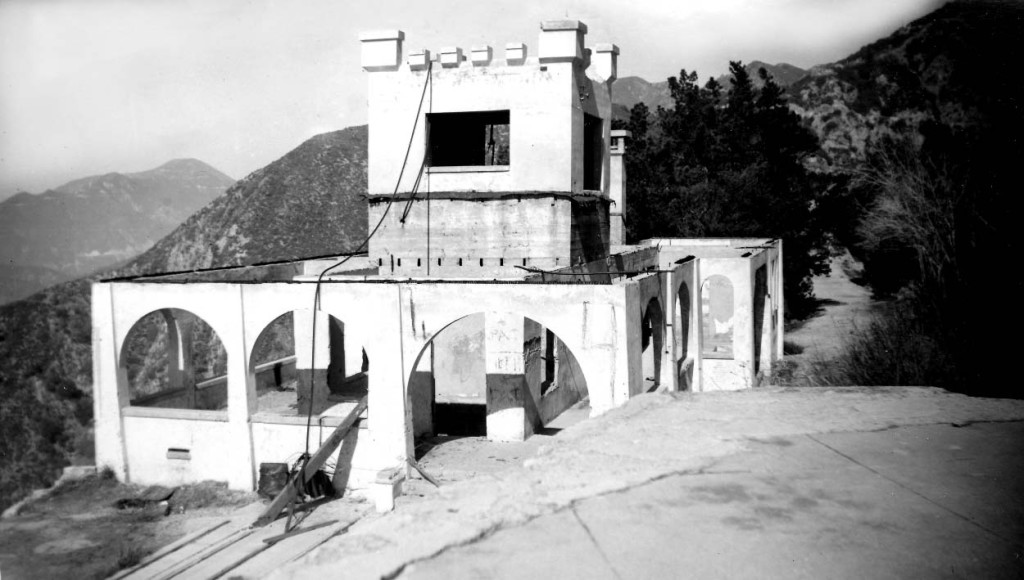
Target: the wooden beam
(315, 462)
(168, 549)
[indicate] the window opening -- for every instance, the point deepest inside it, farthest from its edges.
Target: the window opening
(468, 139)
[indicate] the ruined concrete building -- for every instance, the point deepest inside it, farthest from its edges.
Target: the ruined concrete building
(496, 291)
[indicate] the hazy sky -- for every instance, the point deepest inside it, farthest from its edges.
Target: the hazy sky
(93, 86)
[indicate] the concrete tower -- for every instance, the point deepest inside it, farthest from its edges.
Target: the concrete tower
(506, 162)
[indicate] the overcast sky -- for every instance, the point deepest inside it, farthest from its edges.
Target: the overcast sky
(94, 86)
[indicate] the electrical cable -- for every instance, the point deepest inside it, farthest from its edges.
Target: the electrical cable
(319, 281)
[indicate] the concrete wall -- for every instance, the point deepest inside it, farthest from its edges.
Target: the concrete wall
(459, 372)
(547, 101)
(394, 322)
(756, 325)
(450, 237)
(546, 104)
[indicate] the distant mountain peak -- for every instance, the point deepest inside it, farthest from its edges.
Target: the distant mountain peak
(98, 221)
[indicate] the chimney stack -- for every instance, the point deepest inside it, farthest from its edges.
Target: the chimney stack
(617, 187)
(606, 61)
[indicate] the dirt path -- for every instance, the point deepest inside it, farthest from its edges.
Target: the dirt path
(845, 306)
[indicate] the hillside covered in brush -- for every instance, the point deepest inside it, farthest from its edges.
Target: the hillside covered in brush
(954, 67)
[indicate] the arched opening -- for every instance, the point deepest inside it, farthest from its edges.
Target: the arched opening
(761, 300)
(682, 326)
(652, 344)
(483, 372)
(173, 359)
(717, 314)
(297, 373)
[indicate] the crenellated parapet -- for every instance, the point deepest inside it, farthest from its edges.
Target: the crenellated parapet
(512, 148)
(546, 116)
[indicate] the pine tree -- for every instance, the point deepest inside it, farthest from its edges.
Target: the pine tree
(728, 164)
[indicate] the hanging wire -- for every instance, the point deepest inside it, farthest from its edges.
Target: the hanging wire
(319, 281)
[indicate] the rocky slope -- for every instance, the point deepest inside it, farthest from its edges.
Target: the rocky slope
(97, 222)
(955, 66)
(310, 202)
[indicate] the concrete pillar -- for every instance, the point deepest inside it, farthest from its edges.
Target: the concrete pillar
(390, 416)
(304, 359)
(617, 187)
(109, 385)
(604, 355)
(242, 401)
(767, 334)
(507, 391)
(697, 329)
(670, 352)
(779, 303)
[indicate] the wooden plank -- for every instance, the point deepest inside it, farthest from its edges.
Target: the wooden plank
(315, 462)
(296, 532)
(168, 549)
(423, 473)
(202, 555)
(289, 550)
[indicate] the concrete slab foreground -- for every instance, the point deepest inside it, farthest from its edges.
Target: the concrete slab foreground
(914, 502)
(778, 483)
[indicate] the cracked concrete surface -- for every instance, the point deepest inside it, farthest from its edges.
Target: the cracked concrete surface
(794, 482)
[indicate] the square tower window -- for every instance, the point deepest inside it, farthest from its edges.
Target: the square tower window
(468, 139)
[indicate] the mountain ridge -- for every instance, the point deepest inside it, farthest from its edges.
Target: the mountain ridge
(96, 221)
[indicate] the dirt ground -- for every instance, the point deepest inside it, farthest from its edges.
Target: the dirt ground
(844, 306)
(79, 532)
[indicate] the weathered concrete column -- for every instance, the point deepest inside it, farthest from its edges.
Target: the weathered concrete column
(669, 380)
(604, 355)
(109, 385)
(242, 400)
(779, 297)
(507, 392)
(304, 360)
(697, 336)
